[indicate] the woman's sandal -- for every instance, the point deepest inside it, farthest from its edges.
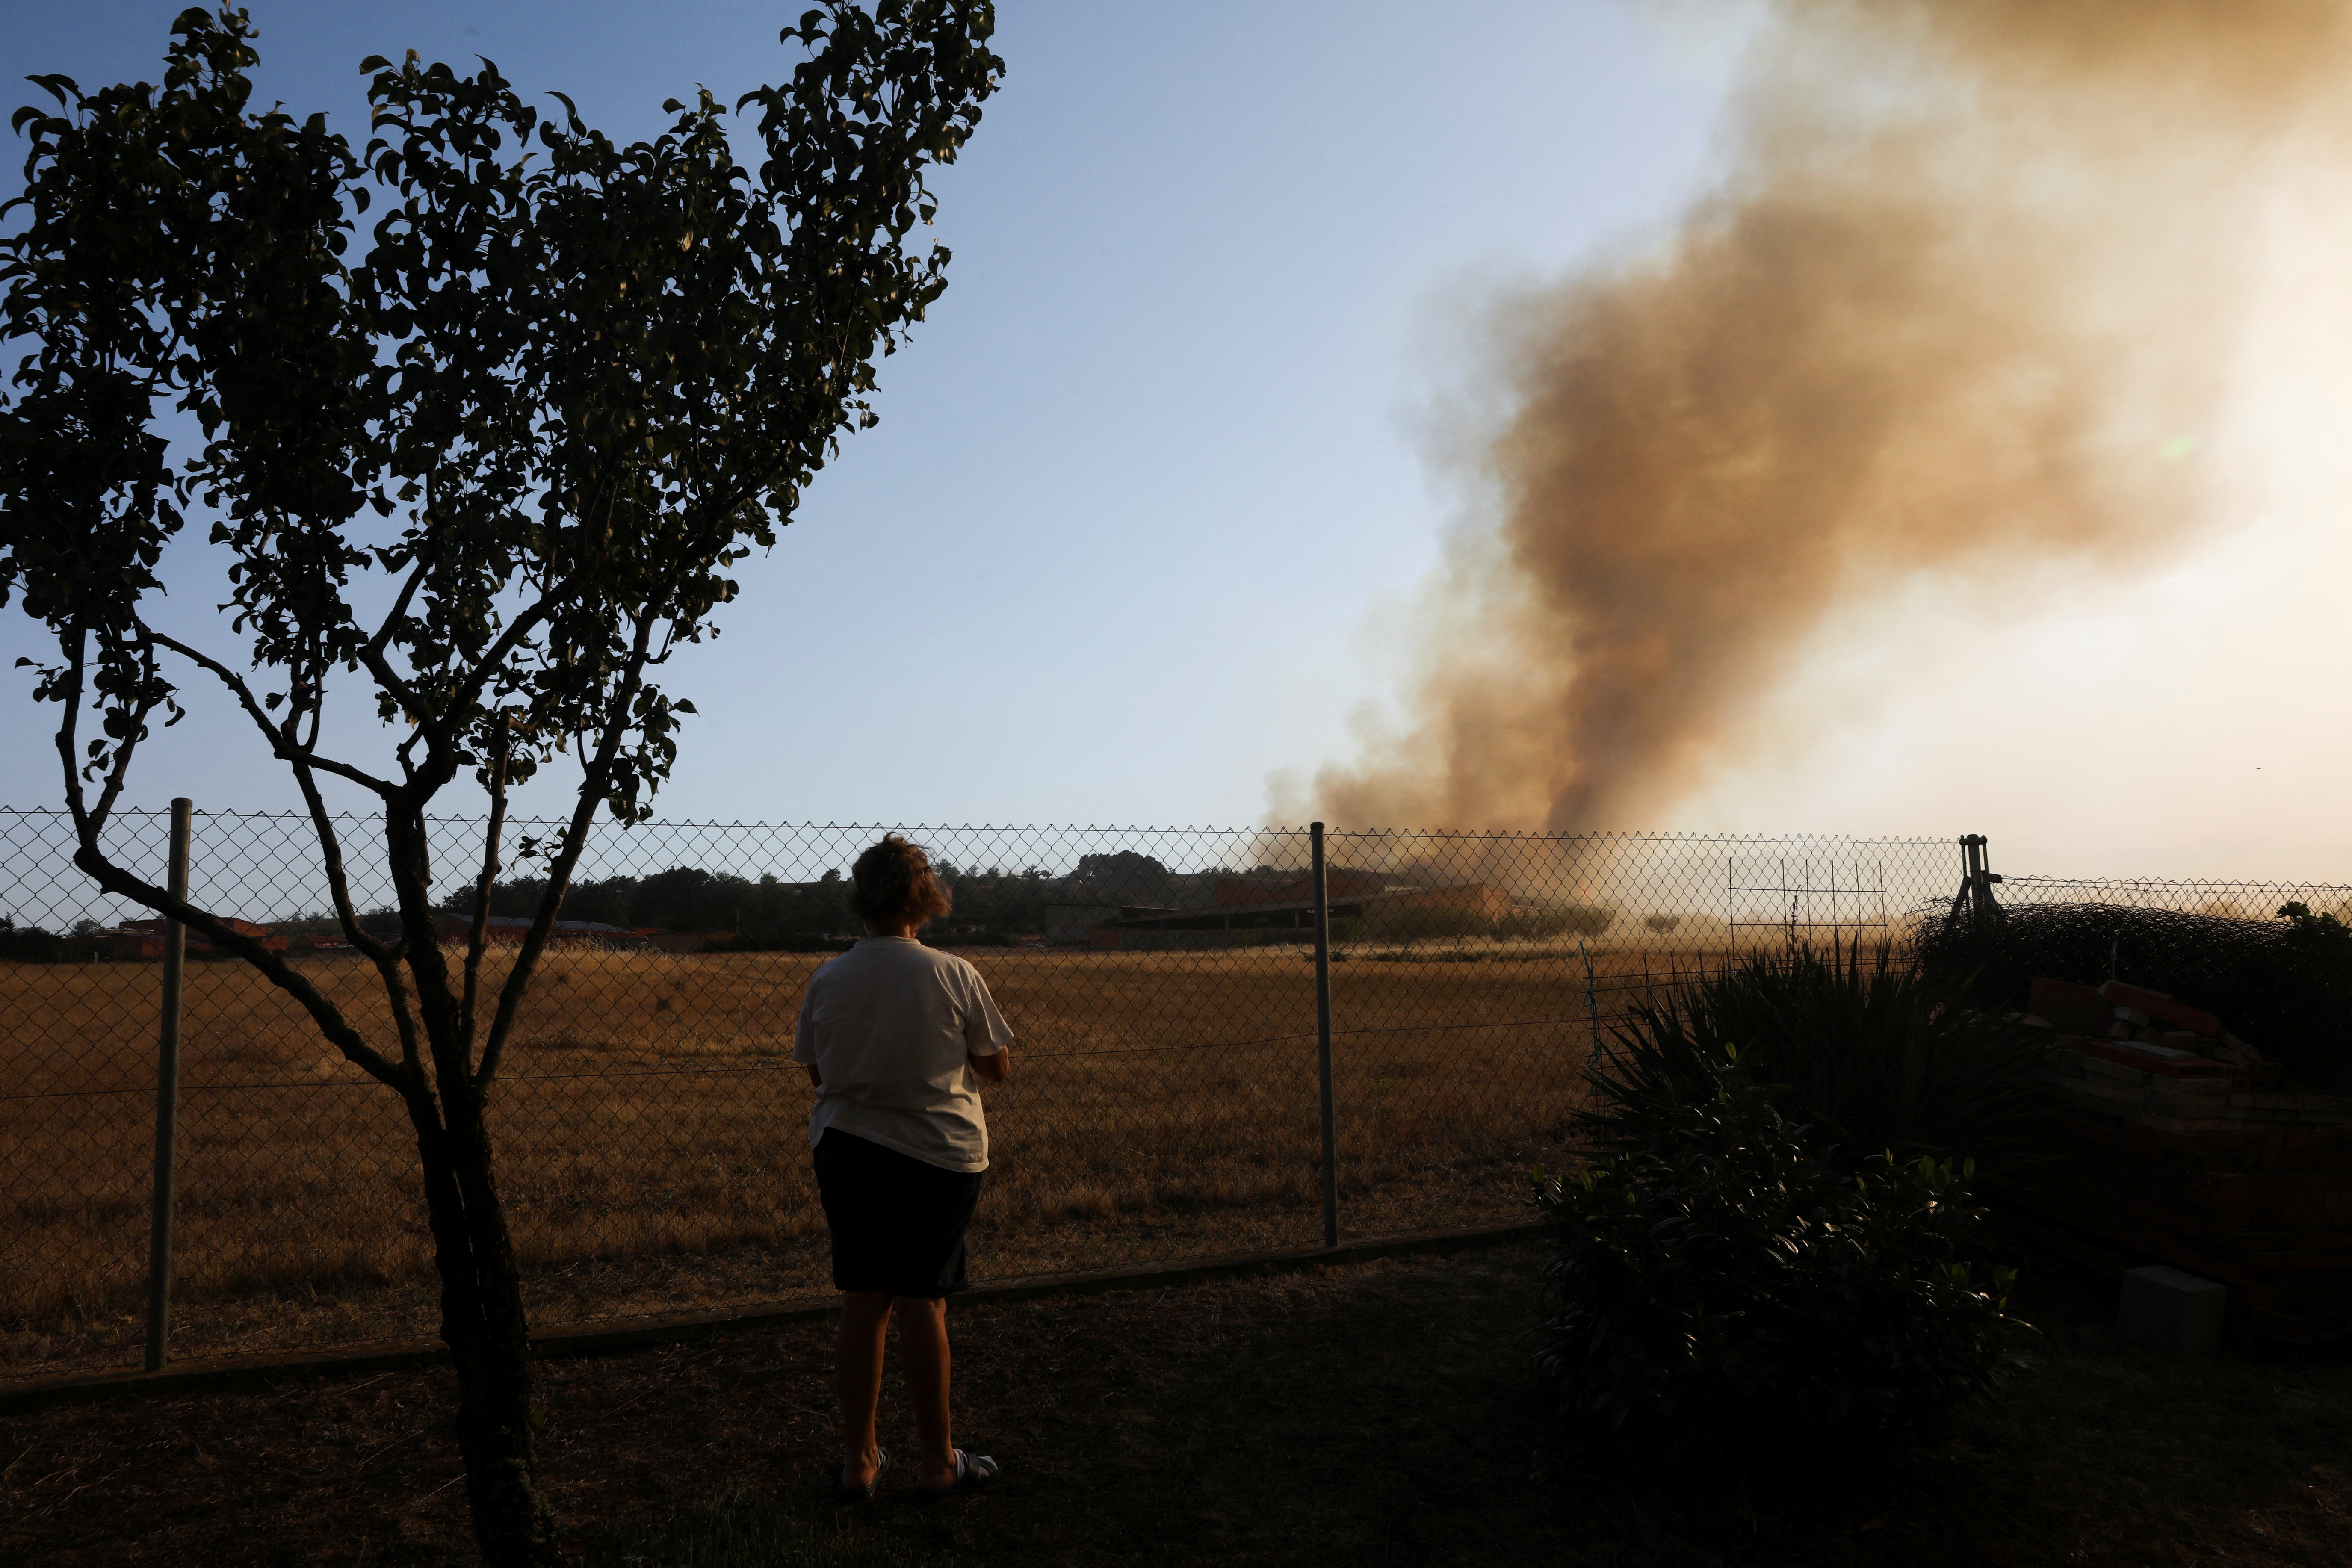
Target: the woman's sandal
(844, 1492)
(972, 1472)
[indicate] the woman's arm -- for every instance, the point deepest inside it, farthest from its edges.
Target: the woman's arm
(996, 1067)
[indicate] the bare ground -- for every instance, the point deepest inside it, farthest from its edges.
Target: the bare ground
(1376, 1414)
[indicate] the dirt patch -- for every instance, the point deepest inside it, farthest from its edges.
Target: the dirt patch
(1375, 1413)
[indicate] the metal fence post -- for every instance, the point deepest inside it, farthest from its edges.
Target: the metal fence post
(167, 1100)
(1978, 879)
(1323, 1039)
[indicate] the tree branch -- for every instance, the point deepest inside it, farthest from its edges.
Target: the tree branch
(70, 729)
(384, 955)
(87, 821)
(280, 744)
(331, 855)
(329, 1019)
(432, 728)
(372, 654)
(408, 851)
(494, 656)
(125, 744)
(576, 839)
(464, 694)
(477, 936)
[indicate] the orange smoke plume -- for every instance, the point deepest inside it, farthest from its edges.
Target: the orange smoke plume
(1964, 308)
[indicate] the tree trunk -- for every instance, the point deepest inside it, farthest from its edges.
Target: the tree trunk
(483, 1324)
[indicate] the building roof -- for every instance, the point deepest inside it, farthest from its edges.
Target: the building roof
(158, 927)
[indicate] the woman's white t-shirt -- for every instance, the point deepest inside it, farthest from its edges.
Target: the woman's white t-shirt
(887, 1025)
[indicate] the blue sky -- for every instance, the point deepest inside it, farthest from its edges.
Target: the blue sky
(1107, 555)
(1156, 483)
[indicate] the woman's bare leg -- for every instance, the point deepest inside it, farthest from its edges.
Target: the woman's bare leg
(857, 1373)
(923, 1358)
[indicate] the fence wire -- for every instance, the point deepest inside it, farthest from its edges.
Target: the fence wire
(2213, 899)
(650, 1124)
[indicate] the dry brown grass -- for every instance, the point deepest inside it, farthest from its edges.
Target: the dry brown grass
(651, 1131)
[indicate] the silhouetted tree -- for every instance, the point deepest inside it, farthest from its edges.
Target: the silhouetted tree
(567, 386)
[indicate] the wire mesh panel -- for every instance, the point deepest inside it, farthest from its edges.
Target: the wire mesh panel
(1833, 893)
(77, 1099)
(1473, 972)
(650, 1124)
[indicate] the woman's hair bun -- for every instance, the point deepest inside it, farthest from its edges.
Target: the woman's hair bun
(894, 882)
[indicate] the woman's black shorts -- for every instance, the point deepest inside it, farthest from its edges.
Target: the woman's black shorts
(897, 1223)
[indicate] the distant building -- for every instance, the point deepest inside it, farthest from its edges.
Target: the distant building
(1067, 924)
(144, 939)
(125, 944)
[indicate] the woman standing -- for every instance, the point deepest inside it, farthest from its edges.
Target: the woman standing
(897, 1037)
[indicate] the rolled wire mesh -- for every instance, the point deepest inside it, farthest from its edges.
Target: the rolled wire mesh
(650, 1124)
(2284, 985)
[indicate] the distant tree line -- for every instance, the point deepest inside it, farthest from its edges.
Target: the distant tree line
(991, 905)
(30, 944)
(85, 943)
(1427, 922)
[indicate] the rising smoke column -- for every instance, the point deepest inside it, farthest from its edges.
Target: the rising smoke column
(1966, 306)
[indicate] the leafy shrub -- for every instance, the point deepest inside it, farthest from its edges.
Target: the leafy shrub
(1877, 1054)
(1664, 925)
(1723, 1287)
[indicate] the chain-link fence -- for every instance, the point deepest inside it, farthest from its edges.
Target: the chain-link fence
(649, 1120)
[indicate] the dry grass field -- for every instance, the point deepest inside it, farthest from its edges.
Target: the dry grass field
(652, 1149)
